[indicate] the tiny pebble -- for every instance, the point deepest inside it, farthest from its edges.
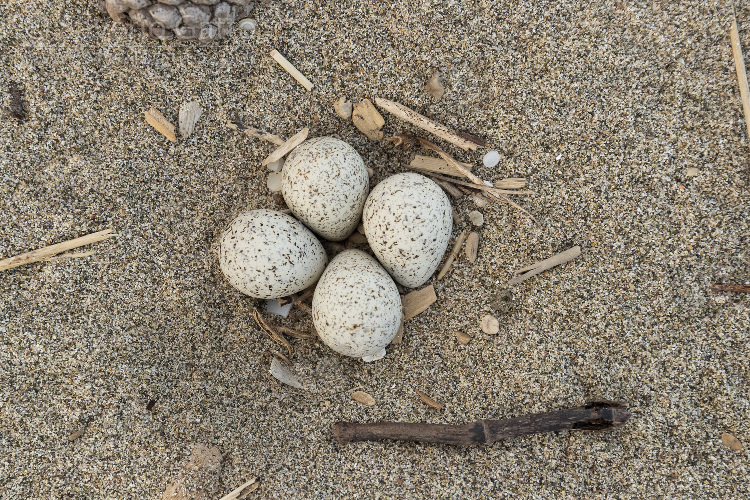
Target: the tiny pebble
(370, 172)
(692, 171)
(276, 166)
(491, 159)
(463, 338)
(476, 218)
(248, 24)
(274, 182)
(490, 325)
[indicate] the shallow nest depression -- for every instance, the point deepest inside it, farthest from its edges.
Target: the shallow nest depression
(602, 106)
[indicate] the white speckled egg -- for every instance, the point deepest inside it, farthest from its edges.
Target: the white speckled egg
(267, 254)
(356, 307)
(324, 182)
(408, 221)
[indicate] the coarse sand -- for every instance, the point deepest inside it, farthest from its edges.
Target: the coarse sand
(602, 106)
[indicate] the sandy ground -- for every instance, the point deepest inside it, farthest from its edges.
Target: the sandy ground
(602, 106)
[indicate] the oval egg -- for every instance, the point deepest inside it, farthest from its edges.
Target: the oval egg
(325, 183)
(267, 254)
(408, 222)
(356, 307)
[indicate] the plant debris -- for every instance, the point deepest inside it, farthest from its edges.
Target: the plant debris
(368, 120)
(418, 301)
(545, 264)
(472, 247)
(343, 108)
(51, 250)
(434, 87)
(453, 255)
(287, 147)
(243, 490)
(490, 325)
(428, 400)
(291, 70)
(156, 119)
(190, 113)
(363, 398)
(730, 441)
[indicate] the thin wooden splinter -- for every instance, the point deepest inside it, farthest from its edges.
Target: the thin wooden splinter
(453, 254)
(49, 251)
(545, 264)
(289, 145)
(276, 337)
(255, 132)
(739, 66)
(595, 416)
(479, 187)
(289, 67)
(730, 287)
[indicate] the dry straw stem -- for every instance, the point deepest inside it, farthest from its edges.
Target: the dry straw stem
(291, 70)
(275, 336)
(472, 247)
(463, 141)
(545, 264)
(256, 132)
(243, 491)
(449, 188)
(436, 165)
(418, 301)
(452, 256)
(160, 123)
(367, 119)
(482, 187)
(428, 400)
(285, 148)
(739, 65)
(49, 251)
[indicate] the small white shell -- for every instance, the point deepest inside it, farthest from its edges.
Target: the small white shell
(356, 308)
(325, 183)
(408, 221)
(267, 254)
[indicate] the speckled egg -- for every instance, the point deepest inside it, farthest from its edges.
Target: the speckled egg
(356, 307)
(325, 183)
(267, 254)
(408, 222)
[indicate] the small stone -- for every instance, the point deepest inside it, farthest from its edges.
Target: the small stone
(137, 4)
(187, 32)
(692, 171)
(206, 2)
(208, 32)
(194, 15)
(463, 338)
(171, 2)
(140, 18)
(274, 182)
(491, 159)
(343, 108)
(166, 15)
(730, 441)
(480, 201)
(116, 10)
(276, 166)
(490, 325)
(476, 218)
(248, 24)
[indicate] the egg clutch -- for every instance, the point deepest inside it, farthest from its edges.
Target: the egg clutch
(356, 306)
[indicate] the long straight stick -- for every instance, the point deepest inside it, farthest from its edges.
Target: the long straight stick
(49, 251)
(739, 65)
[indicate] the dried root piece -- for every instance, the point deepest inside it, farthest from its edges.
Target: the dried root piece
(275, 336)
(255, 132)
(545, 264)
(452, 256)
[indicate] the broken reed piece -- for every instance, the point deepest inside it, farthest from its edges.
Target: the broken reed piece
(463, 141)
(483, 186)
(51, 250)
(367, 119)
(436, 165)
(285, 148)
(595, 416)
(730, 287)
(255, 132)
(545, 264)
(275, 336)
(417, 301)
(291, 70)
(160, 123)
(452, 256)
(739, 65)
(472, 246)
(243, 490)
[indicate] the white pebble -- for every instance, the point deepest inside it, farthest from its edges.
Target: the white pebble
(274, 182)
(247, 24)
(490, 325)
(276, 166)
(476, 218)
(491, 159)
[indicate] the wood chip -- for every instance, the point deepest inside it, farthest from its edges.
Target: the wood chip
(452, 256)
(363, 398)
(244, 490)
(255, 132)
(463, 338)
(429, 125)
(283, 373)
(545, 264)
(716, 287)
(489, 325)
(51, 250)
(343, 108)
(368, 120)
(289, 145)
(434, 86)
(436, 165)
(190, 113)
(77, 434)
(428, 400)
(730, 441)
(739, 66)
(160, 123)
(418, 301)
(472, 247)
(291, 70)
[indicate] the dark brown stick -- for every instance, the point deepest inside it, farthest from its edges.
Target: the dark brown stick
(598, 415)
(718, 287)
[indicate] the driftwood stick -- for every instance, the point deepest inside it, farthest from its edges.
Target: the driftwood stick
(285, 148)
(739, 66)
(291, 70)
(730, 287)
(452, 256)
(595, 416)
(49, 251)
(463, 141)
(255, 132)
(545, 264)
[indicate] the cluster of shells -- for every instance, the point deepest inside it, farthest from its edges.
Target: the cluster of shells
(202, 20)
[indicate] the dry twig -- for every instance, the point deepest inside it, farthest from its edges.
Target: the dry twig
(275, 336)
(291, 70)
(739, 66)
(545, 264)
(285, 148)
(452, 256)
(49, 251)
(255, 132)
